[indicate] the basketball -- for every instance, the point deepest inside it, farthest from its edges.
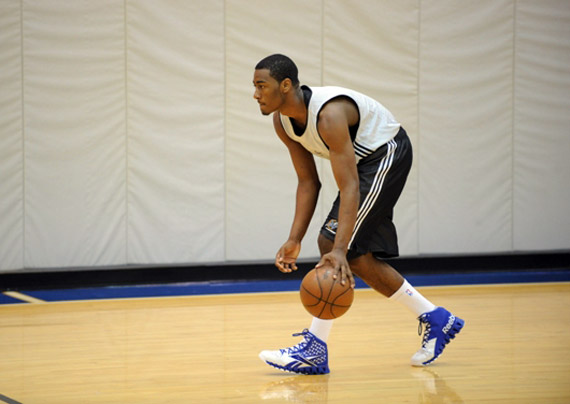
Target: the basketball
(323, 296)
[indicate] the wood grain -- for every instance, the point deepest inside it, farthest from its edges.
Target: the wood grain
(203, 349)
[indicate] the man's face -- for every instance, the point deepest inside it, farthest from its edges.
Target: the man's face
(267, 92)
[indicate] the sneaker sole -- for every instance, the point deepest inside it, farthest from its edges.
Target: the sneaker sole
(453, 331)
(319, 370)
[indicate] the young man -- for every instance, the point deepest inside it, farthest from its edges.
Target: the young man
(370, 156)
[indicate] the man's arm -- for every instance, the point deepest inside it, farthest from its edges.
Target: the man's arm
(308, 188)
(334, 121)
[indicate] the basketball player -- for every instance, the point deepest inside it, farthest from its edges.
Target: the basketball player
(370, 155)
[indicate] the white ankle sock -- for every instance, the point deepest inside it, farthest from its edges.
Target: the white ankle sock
(412, 299)
(321, 328)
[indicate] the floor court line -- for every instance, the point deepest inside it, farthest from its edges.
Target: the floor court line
(8, 400)
(23, 297)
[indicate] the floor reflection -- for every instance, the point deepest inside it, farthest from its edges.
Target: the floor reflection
(433, 388)
(298, 389)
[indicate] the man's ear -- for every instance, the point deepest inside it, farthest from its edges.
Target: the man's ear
(286, 85)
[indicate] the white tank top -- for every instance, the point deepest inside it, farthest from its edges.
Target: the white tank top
(376, 127)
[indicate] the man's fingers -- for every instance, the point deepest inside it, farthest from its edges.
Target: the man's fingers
(350, 278)
(343, 277)
(285, 266)
(346, 275)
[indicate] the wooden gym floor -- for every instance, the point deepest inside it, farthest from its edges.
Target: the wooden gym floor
(203, 349)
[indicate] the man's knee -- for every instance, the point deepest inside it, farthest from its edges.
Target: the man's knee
(356, 263)
(325, 245)
(363, 262)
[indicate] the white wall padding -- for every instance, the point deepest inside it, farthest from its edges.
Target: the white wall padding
(260, 180)
(542, 126)
(129, 135)
(74, 133)
(175, 84)
(11, 149)
(465, 156)
(372, 47)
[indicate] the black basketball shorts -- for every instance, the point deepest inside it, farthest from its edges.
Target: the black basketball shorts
(382, 177)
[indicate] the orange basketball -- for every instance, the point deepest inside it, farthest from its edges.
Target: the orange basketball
(323, 296)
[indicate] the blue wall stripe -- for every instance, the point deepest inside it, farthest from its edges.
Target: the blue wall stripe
(209, 288)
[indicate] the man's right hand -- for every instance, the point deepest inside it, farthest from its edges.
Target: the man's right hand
(286, 257)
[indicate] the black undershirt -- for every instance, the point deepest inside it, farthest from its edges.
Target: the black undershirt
(307, 94)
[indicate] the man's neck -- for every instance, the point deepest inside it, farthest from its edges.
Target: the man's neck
(295, 107)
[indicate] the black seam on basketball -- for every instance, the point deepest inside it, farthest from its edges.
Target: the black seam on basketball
(328, 297)
(340, 295)
(321, 298)
(310, 293)
(333, 304)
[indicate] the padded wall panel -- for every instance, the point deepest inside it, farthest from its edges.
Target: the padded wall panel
(372, 48)
(128, 131)
(175, 81)
(74, 131)
(465, 157)
(11, 138)
(260, 180)
(542, 126)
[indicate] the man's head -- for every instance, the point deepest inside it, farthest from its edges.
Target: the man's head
(275, 81)
(280, 67)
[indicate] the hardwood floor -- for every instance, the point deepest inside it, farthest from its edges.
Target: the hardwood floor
(203, 349)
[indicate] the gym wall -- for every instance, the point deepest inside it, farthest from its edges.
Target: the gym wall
(129, 135)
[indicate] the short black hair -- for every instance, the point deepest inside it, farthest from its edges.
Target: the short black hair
(280, 68)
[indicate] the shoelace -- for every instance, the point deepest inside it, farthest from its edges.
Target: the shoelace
(422, 319)
(301, 345)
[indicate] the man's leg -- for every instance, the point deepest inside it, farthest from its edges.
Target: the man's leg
(377, 274)
(310, 356)
(440, 325)
(383, 278)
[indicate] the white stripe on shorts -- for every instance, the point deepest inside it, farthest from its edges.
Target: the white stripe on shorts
(376, 187)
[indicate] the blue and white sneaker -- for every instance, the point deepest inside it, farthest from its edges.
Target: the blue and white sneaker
(440, 327)
(308, 357)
